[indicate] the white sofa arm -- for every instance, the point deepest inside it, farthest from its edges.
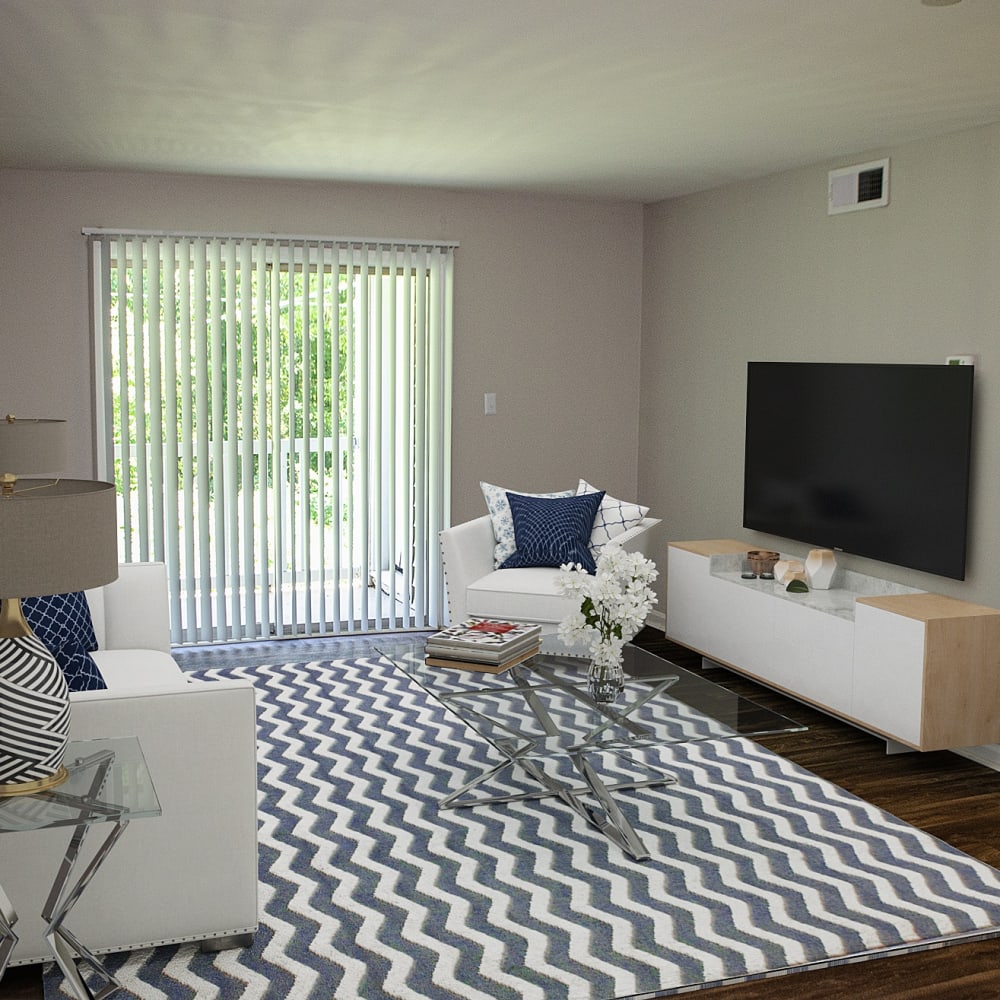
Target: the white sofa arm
(639, 538)
(466, 555)
(133, 612)
(188, 875)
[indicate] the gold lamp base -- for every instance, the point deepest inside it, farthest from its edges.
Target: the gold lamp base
(31, 787)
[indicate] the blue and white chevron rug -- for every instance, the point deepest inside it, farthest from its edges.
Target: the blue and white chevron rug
(369, 892)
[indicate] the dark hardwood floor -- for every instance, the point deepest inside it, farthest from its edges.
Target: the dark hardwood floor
(942, 793)
(950, 797)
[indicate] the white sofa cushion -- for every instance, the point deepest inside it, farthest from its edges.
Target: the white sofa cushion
(527, 595)
(129, 669)
(133, 612)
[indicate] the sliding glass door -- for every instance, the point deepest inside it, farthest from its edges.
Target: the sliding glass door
(276, 414)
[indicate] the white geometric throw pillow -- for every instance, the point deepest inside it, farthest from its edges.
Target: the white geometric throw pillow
(614, 517)
(503, 522)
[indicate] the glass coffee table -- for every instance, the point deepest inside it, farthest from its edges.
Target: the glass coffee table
(542, 719)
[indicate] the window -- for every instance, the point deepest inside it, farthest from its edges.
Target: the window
(276, 415)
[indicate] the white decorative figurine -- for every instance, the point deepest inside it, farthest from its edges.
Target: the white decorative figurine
(786, 570)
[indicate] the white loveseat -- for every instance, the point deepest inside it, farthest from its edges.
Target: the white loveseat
(190, 874)
(476, 588)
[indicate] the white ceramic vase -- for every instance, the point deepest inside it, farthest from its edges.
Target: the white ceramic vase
(821, 564)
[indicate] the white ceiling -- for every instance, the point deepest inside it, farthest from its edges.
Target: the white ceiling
(624, 99)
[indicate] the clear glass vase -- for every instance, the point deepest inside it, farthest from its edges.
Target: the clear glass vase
(606, 677)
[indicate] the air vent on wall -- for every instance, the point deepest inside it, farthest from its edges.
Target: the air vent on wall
(863, 186)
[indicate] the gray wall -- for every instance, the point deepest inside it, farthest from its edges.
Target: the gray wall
(547, 307)
(759, 271)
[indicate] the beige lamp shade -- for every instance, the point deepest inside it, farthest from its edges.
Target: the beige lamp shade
(57, 536)
(30, 447)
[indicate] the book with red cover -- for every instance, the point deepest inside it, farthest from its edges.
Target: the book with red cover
(499, 638)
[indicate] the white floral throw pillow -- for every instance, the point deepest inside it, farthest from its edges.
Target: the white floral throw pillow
(503, 522)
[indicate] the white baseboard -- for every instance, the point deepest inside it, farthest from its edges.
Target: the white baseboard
(988, 755)
(657, 619)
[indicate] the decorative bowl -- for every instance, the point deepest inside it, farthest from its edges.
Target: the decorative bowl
(762, 561)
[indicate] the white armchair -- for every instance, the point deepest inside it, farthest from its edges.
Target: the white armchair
(524, 595)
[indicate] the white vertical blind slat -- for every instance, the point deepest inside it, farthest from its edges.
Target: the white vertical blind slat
(378, 451)
(407, 428)
(389, 526)
(420, 421)
(276, 588)
(201, 305)
(186, 517)
(124, 394)
(350, 409)
(360, 555)
(264, 450)
(152, 541)
(233, 550)
(340, 277)
(215, 581)
(171, 451)
(139, 412)
(246, 578)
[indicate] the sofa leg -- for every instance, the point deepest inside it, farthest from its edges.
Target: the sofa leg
(226, 942)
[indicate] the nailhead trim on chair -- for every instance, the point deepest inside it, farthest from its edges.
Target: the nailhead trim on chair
(447, 589)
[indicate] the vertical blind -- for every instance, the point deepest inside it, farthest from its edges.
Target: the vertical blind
(276, 415)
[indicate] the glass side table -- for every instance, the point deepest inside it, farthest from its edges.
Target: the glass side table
(108, 783)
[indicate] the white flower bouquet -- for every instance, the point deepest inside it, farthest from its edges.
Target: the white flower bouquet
(613, 607)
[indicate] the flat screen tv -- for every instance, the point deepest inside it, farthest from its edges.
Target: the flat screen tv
(869, 459)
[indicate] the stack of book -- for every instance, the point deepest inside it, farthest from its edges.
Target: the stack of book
(484, 644)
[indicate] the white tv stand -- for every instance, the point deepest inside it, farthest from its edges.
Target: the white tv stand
(919, 669)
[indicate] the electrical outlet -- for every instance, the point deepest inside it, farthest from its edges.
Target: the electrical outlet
(490, 403)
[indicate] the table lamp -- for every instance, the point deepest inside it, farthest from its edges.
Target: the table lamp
(57, 536)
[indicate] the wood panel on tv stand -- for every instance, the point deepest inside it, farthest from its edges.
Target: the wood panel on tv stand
(921, 670)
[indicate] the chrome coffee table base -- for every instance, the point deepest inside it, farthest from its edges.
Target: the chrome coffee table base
(608, 818)
(604, 724)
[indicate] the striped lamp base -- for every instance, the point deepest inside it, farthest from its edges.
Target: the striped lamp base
(34, 717)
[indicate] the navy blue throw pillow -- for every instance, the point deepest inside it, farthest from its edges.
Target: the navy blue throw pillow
(63, 623)
(551, 531)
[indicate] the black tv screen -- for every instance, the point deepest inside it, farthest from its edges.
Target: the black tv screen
(869, 459)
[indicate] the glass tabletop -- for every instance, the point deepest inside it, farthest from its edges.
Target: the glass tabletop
(108, 781)
(543, 706)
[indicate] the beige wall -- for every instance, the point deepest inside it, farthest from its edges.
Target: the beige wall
(759, 271)
(547, 307)
(553, 296)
